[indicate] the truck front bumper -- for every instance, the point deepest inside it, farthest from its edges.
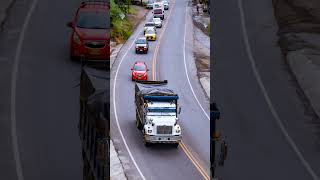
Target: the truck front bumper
(162, 139)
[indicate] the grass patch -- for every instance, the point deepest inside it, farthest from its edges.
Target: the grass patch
(121, 29)
(132, 10)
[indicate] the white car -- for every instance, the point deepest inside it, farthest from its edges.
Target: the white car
(149, 25)
(165, 5)
(157, 22)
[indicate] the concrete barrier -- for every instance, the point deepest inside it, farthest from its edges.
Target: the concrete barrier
(4, 6)
(305, 64)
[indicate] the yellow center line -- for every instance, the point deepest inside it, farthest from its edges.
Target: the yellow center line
(194, 161)
(154, 77)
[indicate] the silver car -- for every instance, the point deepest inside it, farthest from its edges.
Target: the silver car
(165, 5)
(157, 22)
(150, 4)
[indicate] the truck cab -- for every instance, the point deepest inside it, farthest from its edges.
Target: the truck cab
(157, 112)
(161, 124)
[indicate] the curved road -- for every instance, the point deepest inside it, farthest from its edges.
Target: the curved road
(167, 62)
(257, 94)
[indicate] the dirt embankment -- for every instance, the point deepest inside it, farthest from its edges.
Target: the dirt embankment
(299, 40)
(138, 15)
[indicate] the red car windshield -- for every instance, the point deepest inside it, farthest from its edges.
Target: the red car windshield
(93, 20)
(139, 68)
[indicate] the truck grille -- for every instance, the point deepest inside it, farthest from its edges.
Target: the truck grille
(164, 129)
(95, 44)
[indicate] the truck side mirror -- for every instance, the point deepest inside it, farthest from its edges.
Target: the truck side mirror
(179, 110)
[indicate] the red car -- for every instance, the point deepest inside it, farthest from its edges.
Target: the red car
(90, 36)
(139, 71)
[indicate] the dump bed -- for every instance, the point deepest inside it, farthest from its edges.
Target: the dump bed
(154, 91)
(153, 88)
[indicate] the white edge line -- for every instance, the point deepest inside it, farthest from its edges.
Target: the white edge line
(15, 70)
(265, 94)
(185, 64)
(115, 108)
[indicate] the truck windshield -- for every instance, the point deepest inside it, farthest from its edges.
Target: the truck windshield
(93, 20)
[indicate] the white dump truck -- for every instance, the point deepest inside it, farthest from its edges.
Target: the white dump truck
(157, 112)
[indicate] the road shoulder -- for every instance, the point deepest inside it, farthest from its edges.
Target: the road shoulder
(202, 48)
(299, 39)
(117, 166)
(4, 7)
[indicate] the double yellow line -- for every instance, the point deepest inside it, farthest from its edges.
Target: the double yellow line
(154, 77)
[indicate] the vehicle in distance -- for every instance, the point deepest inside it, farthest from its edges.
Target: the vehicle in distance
(149, 4)
(139, 71)
(90, 32)
(148, 25)
(142, 45)
(157, 22)
(158, 10)
(166, 5)
(157, 112)
(151, 35)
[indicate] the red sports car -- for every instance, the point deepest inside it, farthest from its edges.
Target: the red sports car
(139, 71)
(90, 36)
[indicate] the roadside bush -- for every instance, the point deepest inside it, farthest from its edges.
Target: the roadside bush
(121, 29)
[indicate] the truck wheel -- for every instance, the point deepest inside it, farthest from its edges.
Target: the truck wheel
(147, 144)
(175, 145)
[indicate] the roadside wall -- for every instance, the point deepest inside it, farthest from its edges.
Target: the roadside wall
(4, 6)
(299, 39)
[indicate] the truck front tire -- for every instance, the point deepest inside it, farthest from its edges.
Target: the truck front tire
(147, 144)
(175, 145)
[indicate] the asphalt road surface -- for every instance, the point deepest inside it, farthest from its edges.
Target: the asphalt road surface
(160, 161)
(256, 99)
(39, 100)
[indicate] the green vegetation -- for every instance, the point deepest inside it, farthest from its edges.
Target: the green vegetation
(121, 29)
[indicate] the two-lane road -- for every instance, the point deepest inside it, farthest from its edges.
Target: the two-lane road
(170, 60)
